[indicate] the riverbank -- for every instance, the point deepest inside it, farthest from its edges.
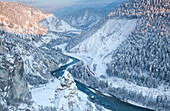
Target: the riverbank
(140, 96)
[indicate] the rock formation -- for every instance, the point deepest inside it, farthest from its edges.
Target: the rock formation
(66, 95)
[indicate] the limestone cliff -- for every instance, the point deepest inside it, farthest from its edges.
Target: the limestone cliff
(13, 86)
(17, 18)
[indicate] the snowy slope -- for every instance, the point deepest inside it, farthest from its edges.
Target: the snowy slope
(104, 41)
(57, 25)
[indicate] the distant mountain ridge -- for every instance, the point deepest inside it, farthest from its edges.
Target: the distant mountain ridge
(87, 17)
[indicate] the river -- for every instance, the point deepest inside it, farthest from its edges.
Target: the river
(108, 102)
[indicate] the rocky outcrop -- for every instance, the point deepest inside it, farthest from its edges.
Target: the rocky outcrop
(19, 88)
(17, 18)
(2, 49)
(66, 95)
(13, 86)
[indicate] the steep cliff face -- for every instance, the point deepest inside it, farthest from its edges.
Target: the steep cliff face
(13, 86)
(17, 18)
(19, 88)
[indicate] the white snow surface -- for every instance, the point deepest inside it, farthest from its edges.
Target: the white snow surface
(44, 94)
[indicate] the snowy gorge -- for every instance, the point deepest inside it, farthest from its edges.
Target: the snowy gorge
(124, 54)
(130, 60)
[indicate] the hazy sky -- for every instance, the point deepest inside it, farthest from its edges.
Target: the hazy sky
(57, 4)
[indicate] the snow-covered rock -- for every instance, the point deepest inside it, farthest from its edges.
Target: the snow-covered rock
(66, 95)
